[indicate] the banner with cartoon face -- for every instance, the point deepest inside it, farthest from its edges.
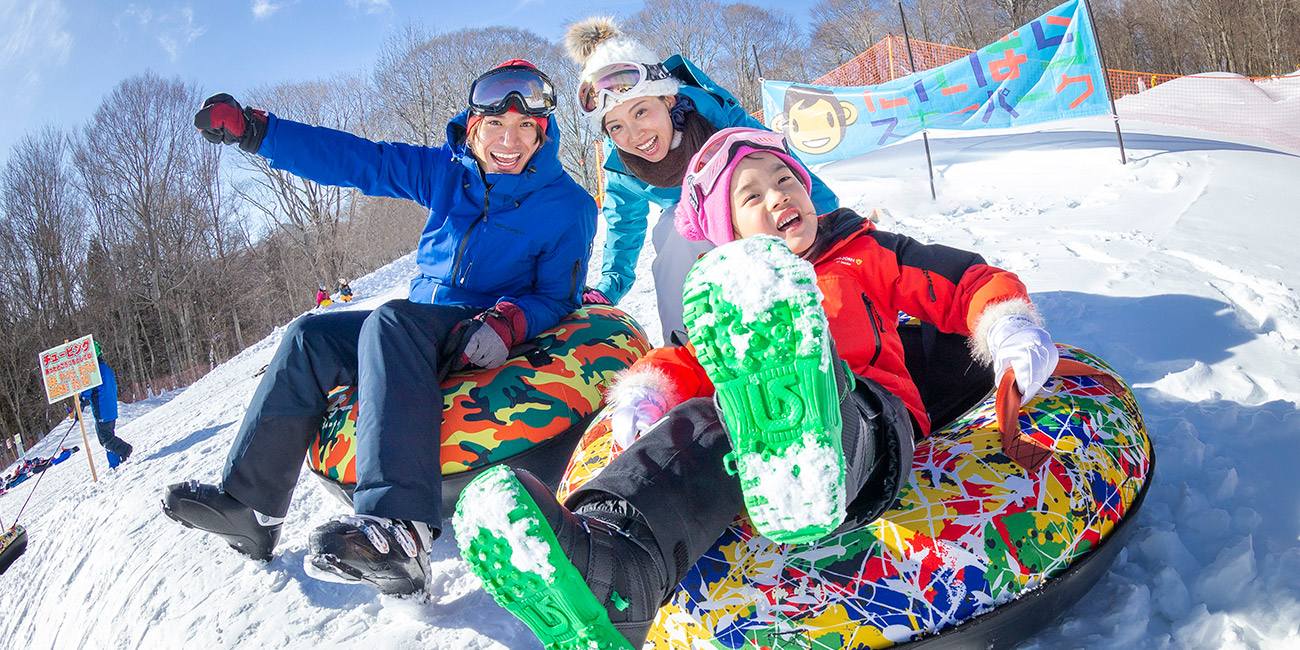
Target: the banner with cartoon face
(1047, 70)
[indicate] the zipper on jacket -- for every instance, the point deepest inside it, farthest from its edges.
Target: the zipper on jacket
(460, 252)
(573, 281)
(876, 326)
(930, 282)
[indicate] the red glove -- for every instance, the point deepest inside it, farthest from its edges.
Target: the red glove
(223, 121)
(488, 337)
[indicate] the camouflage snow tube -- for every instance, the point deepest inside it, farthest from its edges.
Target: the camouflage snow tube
(529, 412)
(976, 553)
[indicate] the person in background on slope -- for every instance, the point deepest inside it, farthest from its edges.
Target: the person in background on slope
(794, 407)
(501, 259)
(345, 291)
(322, 297)
(102, 401)
(654, 122)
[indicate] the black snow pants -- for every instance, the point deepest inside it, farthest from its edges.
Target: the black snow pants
(674, 475)
(107, 434)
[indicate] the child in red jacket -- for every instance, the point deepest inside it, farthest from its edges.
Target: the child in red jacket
(794, 383)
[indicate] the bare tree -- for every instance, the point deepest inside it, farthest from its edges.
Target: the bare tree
(140, 183)
(843, 29)
(758, 43)
(44, 222)
(308, 214)
(690, 28)
(404, 81)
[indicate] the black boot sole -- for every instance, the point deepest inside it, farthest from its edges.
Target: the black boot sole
(330, 568)
(196, 511)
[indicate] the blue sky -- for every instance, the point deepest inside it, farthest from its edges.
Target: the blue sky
(58, 58)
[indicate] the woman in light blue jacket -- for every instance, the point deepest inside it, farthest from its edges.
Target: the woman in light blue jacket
(656, 116)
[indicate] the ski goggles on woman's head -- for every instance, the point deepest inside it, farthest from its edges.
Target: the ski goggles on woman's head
(704, 211)
(714, 158)
(616, 81)
(521, 86)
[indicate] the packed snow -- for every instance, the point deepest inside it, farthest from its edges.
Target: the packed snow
(1177, 268)
(753, 278)
(497, 497)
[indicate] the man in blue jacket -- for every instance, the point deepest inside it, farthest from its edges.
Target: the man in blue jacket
(102, 401)
(502, 258)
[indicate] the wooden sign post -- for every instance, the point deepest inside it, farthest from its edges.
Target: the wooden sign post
(67, 370)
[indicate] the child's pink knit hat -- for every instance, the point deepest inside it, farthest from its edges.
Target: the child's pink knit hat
(704, 211)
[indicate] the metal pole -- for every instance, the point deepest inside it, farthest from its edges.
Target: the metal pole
(925, 135)
(1101, 58)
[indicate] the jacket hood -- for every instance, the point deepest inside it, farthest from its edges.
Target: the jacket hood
(543, 168)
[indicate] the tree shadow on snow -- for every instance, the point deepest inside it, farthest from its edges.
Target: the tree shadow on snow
(978, 148)
(188, 441)
(1217, 540)
(957, 149)
(1143, 338)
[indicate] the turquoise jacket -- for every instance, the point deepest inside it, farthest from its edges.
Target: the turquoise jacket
(626, 206)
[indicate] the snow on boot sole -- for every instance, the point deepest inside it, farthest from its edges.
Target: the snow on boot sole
(754, 314)
(504, 537)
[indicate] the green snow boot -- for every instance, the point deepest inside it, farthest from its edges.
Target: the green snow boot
(587, 581)
(754, 314)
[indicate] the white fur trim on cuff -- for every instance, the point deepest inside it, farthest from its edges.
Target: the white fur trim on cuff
(649, 377)
(979, 340)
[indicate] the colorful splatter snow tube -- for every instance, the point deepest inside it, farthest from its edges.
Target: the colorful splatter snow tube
(978, 551)
(529, 412)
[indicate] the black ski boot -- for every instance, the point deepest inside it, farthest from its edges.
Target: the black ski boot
(389, 554)
(209, 508)
(585, 581)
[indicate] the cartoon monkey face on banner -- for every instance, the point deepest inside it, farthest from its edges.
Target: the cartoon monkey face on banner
(814, 120)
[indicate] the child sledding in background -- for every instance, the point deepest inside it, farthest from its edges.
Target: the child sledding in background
(792, 402)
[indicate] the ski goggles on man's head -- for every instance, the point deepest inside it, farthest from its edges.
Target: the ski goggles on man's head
(709, 163)
(617, 81)
(524, 87)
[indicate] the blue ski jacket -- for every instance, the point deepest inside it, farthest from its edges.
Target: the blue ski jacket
(519, 238)
(102, 399)
(626, 205)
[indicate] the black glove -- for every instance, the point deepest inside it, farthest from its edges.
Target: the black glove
(223, 120)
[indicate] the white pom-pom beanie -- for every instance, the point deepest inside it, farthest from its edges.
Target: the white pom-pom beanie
(623, 49)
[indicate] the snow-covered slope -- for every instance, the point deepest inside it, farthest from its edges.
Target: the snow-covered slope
(1177, 268)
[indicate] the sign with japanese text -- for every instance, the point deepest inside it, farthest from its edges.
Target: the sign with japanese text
(70, 368)
(1047, 70)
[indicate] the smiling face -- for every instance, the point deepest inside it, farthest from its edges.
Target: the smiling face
(767, 198)
(503, 144)
(817, 124)
(642, 126)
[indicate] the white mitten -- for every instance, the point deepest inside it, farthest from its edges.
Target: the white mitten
(1017, 343)
(637, 408)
